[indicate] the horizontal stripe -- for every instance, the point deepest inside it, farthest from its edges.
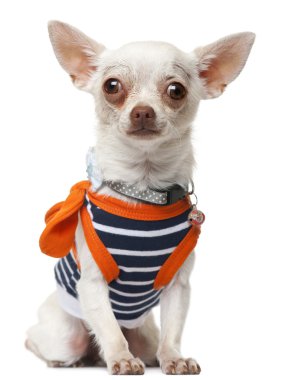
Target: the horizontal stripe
(141, 276)
(130, 294)
(72, 276)
(62, 264)
(72, 262)
(140, 262)
(62, 281)
(135, 303)
(132, 269)
(137, 283)
(115, 220)
(70, 282)
(126, 252)
(69, 274)
(57, 278)
(72, 265)
(76, 275)
(136, 310)
(130, 288)
(140, 233)
(67, 266)
(129, 317)
(64, 276)
(132, 242)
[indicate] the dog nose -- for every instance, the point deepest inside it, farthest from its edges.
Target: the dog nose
(142, 116)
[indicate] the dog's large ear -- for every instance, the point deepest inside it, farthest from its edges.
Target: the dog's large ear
(222, 61)
(76, 52)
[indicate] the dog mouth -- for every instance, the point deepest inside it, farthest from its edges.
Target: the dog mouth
(143, 132)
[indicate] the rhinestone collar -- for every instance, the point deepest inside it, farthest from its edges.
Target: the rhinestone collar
(165, 197)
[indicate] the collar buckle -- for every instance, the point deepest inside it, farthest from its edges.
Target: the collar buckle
(175, 193)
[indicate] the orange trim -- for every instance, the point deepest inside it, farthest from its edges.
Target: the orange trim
(101, 255)
(139, 211)
(177, 258)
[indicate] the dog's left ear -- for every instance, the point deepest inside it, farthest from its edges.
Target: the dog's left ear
(76, 52)
(222, 61)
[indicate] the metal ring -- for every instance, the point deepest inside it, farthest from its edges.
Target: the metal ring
(192, 193)
(196, 200)
(193, 187)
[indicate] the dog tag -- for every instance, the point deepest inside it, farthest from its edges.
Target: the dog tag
(196, 217)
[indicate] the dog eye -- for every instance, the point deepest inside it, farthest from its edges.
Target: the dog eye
(176, 91)
(112, 86)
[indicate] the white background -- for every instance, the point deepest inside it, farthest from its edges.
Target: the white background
(237, 323)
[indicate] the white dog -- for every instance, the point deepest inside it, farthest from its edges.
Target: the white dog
(146, 97)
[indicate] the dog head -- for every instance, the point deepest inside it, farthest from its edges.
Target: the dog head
(148, 92)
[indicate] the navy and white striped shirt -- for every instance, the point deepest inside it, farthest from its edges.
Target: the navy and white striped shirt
(140, 248)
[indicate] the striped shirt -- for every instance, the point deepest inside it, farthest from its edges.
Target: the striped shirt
(139, 248)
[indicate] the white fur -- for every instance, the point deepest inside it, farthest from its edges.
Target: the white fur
(146, 68)
(147, 163)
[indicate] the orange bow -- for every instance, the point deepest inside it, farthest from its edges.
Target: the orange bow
(61, 222)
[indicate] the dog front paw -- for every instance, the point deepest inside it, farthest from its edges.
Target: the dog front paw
(180, 367)
(133, 366)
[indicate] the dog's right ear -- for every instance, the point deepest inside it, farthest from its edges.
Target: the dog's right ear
(222, 61)
(76, 52)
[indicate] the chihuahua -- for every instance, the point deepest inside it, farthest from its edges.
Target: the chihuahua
(146, 97)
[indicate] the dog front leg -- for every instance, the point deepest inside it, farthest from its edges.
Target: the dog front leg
(97, 312)
(174, 303)
(96, 308)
